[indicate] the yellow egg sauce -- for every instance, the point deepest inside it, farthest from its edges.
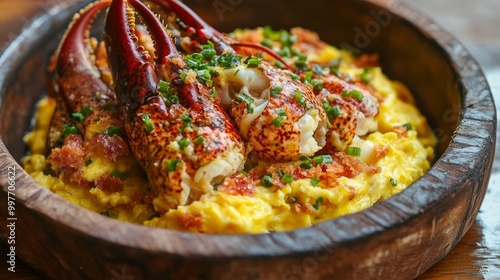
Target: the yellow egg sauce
(399, 155)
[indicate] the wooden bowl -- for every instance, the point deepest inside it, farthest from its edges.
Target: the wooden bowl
(398, 238)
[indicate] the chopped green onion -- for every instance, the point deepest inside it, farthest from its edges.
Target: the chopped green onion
(316, 205)
(253, 62)
(278, 121)
(408, 126)
(110, 214)
(281, 112)
(183, 76)
(89, 162)
(393, 182)
(294, 77)
(78, 116)
(208, 53)
(183, 143)
(213, 93)
(172, 164)
(281, 173)
(199, 140)
(331, 111)
(186, 118)
(267, 181)
(275, 91)
(113, 130)
(323, 159)
(287, 178)
(164, 86)
(366, 76)
(229, 60)
(299, 97)
(84, 113)
(245, 98)
(267, 43)
(148, 123)
(354, 151)
(248, 100)
(301, 62)
(117, 173)
(315, 181)
(306, 162)
(69, 129)
(356, 94)
(306, 165)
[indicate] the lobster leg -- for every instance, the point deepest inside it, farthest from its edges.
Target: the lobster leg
(186, 145)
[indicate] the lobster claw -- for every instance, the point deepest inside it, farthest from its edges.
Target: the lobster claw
(78, 79)
(185, 146)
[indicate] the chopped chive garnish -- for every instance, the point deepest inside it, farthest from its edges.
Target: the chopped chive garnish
(248, 100)
(245, 98)
(354, 151)
(164, 86)
(172, 164)
(78, 116)
(117, 173)
(69, 129)
(315, 181)
(323, 159)
(281, 173)
(366, 76)
(183, 76)
(356, 94)
(291, 199)
(280, 119)
(301, 61)
(183, 143)
(108, 213)
(287, 178)
(275, 91)
(113, 130)
(148, 123)
(408, 126)
(331, 111)
(213, 93)
(267, 43)
(267, 181)
(281, 112)
(393, 182)
(253, 62)
(316, 205)
(186, 118)
(306, 162)
(199, 140)
(299, 97)
(84, 113)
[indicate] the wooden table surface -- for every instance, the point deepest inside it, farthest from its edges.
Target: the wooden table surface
(476, 24)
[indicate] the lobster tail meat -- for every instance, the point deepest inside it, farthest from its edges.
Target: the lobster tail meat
(181, 136)
(279, 117)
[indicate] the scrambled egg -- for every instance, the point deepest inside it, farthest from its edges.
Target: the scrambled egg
(407, 155)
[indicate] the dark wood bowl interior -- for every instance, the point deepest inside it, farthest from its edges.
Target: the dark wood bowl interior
(396, 239)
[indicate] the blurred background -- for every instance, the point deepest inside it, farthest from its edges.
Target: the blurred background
(477, 25)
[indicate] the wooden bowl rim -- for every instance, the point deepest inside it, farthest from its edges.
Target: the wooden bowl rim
(331, 233)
